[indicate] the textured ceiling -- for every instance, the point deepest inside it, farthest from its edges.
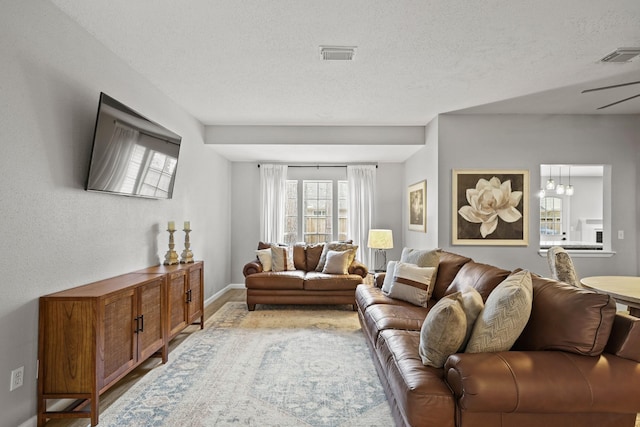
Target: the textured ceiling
(251, 62)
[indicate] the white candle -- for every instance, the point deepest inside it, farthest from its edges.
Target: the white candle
(172, 225)
(187, 225)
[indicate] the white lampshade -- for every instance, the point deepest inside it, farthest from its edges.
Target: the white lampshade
(380, 239)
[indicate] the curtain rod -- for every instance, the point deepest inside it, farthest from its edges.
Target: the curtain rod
(328, 165)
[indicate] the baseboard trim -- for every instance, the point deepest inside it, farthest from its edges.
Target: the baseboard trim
(218, 294)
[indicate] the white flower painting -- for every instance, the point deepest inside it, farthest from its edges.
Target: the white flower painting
(490, 207)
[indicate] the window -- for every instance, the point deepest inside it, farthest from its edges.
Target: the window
(312, 203)
(149, 172)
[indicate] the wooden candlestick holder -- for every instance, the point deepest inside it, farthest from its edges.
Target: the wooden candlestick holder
(171, 257)
(186, 256)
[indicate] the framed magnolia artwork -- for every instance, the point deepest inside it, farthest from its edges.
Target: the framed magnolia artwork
(417, 196)
(490, 207)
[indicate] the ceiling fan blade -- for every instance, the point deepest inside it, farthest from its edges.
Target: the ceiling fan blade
(618, 102)
(611, 87)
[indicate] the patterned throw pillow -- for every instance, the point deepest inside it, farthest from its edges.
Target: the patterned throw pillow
(423, 258)
(282, 258)
(504, 316)
(443, 331)
(411, 283)
(337, 262)
(264, 255)
(336, 246)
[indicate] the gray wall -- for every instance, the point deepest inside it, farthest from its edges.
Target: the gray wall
(245, 199)
(55, 234)
(526, 141)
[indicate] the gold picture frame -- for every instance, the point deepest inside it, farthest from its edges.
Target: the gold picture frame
(490, 207)
(417, 206)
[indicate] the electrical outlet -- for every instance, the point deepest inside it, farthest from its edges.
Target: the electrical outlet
(17, 378)
(621, 234)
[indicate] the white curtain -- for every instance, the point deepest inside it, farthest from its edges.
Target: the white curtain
(362, 187)
(113, 162)
(273, 197)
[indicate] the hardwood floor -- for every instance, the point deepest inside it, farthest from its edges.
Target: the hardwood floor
(111, 395)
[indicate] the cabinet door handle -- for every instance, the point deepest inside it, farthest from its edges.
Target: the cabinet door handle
(142, 323)
(137, 329)
(189, 296)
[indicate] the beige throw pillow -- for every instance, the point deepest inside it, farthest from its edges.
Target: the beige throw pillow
(336, 246)
(504, 316)
(472, 305)
(422, 258)
(337, 262)
(442, 333)
(388, 277)
(264, 255)
(411, 283)
(282, 258)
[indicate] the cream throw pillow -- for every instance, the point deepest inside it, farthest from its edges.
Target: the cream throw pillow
(282, 258)
(442, 333)
(336, 246)
(388, 277)
(422, 258)
(411, 283)
(264, 255)
(472, 304)
(504, 316)
(337, 262)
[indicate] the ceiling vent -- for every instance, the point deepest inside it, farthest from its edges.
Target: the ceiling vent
(622, 54)
(337, 53)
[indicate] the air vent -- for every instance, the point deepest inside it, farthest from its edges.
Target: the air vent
(622, 54)
(337, 53)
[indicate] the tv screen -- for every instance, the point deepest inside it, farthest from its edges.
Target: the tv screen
(131, 155)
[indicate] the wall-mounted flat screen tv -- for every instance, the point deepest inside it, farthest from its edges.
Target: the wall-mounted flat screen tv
(131, 155)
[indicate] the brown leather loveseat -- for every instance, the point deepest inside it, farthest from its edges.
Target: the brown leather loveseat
(576, 363)
(306, 283)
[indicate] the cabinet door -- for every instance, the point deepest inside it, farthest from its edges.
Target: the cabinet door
(119, 341)
(195, 294)
(177, 302)
(149, 320)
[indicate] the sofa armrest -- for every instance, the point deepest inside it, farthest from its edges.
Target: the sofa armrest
(252, 267)
(358, 268)
(380, 279)
(624, 340)
(542, 381)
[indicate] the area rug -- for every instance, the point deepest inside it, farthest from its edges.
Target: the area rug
(276, 366)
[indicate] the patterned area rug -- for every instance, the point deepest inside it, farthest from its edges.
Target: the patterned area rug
(276, 366)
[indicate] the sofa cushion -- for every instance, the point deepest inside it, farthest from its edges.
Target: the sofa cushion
(483, 277)
(284, 280)
(335, 246)
(367, 296)
(443, 331)
(411, 283)
(402, 316)
(300, 256)
(331, 282)
(264, 255)
(313, 254)
(448, 267)
(504, 315)
(567, 318)
(337, 262)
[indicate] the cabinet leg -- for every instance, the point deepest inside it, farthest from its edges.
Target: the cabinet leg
(251, 307)
(94, 409)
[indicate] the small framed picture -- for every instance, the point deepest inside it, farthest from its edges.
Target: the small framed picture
(490, 207)
(417, 196)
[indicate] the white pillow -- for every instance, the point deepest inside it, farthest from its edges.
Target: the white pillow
(264, 255)
(388, 277)
(337, 262)
(411, 283)
(472, 304)
(504, 316)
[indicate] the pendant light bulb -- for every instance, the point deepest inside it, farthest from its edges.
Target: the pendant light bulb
(569, 190)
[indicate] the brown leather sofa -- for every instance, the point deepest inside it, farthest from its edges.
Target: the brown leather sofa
(303, 285)
(556, 374)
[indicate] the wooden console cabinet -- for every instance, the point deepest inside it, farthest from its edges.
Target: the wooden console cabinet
(185, 291)
(93, 335)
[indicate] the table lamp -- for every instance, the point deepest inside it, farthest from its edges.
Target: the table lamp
(380, 240)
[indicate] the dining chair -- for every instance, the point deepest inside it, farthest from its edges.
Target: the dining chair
(561, 266)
